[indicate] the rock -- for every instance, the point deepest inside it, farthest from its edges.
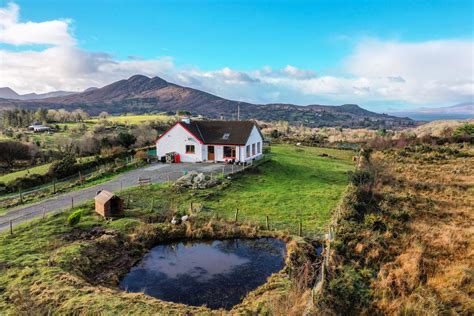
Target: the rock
(196, 180)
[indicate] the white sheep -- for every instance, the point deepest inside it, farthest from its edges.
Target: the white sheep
(174, 221)
(184, 218)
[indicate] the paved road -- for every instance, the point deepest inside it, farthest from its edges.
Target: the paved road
(158, 173)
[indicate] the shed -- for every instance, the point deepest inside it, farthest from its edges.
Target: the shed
(108, 204)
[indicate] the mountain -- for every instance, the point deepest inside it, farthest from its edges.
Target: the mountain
(141, 94)
(455, 112)
(8, 93)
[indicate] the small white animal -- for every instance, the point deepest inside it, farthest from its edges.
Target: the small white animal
(174, 221)
(298, 144)
(184, 218)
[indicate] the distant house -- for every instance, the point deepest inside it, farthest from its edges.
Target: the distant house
(212, 141)
(37, 127)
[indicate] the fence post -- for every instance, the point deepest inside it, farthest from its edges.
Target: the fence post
(267, 222)
(72, 202)
(54, 186)
(223, 171)
(21, 196)
(11, 227)
(232, 169)
(236, 214)
(152, 203)
(44, 212)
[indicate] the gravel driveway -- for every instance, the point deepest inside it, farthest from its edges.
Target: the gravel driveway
(158, 173)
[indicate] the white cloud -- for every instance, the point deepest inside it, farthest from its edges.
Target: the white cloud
(13, 32)
(432, 73)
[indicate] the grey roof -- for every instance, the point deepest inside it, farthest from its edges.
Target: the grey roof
(212, 132)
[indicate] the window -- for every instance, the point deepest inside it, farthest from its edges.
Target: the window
(247, 150)
(225, 136)
(258, 148)
(190, 149)
(253, 149)
(229, 152)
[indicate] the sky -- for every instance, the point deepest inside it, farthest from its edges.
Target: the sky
(383, 55)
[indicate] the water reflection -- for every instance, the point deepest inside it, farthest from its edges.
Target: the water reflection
(215, 273)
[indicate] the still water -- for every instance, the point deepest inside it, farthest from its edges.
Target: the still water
(215, 273)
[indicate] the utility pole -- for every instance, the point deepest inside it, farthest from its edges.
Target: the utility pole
(238, 112)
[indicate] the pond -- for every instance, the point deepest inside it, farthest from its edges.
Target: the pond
(218, 273)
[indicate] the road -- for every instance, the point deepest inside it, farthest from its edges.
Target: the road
(158, 173)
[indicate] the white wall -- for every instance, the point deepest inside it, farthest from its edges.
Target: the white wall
(254, 138)
(175, 140)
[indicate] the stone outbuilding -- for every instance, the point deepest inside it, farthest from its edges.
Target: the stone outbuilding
(108, 204)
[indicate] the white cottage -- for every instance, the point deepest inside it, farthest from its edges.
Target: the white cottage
(212, 141)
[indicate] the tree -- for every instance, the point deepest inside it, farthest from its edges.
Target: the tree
(11, 151)
(103, 115)
(126, 139)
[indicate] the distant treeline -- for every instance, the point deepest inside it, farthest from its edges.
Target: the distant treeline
(20, 118)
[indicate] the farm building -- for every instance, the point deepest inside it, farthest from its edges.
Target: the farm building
(212, 141)
(108, 204)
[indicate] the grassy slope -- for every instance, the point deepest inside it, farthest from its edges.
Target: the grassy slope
(296, 184)
(30, 260)
(407, 248)
(34, 170)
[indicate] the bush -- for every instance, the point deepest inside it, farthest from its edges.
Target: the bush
(141, 155)
(64, 167)
(360, 177)
(74, 218)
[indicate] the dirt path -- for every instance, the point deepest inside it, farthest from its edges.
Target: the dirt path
(158, 173)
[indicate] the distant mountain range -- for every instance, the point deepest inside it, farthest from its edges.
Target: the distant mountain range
(455, 112)
(141, 94)
(8, 93)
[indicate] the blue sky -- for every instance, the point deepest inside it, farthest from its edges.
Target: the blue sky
(302, 52)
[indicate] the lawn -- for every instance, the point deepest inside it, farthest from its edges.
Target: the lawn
(42, 169)
(297, 184)
(34, 170)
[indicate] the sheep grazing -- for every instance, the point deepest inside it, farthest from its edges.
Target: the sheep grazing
(174, 221)
(184, 218)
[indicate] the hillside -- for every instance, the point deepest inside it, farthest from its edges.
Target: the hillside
(141, 94)
(8, 93)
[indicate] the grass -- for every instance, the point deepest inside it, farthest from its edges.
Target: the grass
(404, 246)
(42, 271)
(42, 169)
(297, 184)
(135, 119)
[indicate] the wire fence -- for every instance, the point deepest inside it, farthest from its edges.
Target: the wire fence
(7, 222)
(61, 185)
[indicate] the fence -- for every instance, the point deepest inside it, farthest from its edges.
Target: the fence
(73, 199)
(59, 185)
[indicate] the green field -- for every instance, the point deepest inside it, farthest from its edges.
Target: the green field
(297, 184)
(135, 119)
(34, 170)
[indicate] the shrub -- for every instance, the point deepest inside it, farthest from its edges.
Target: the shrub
(64, 167)
(360, 177)
(141, 155)
(74, 218)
